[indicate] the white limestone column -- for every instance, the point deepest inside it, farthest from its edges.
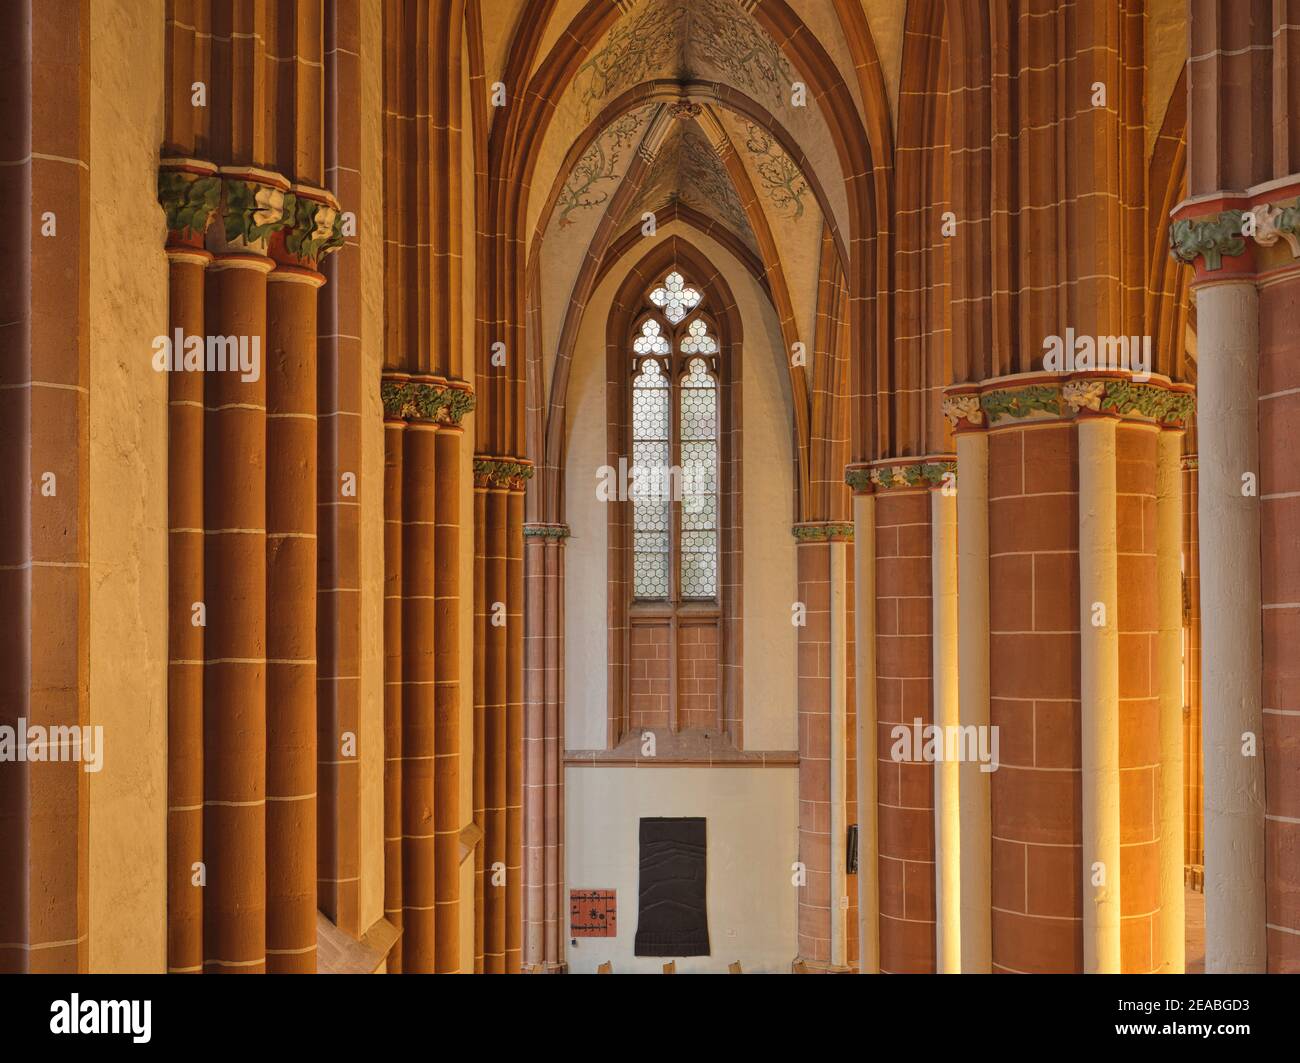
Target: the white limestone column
(1171, 951)
(1099, 695)
(976, 815)
(864, 612)
(947, 806)
(1231, 649)
(839, 753)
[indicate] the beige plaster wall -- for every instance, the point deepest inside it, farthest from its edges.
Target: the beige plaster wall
(128, 491)
(751, 833)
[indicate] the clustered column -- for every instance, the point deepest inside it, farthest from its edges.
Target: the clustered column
(1247, 292)
(1240, 228)
(422, 672)
(1081, 514)
(824, 566)
(908, 591)
(545, 912)
(242, 707)
(499, 641)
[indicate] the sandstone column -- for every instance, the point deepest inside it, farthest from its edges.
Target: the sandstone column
(1171, 947)
(447, 696)
(1193, 799)
(44, 440)
(1073, 629)
(1238, 226)
(422, 668)
(864, 586)
(188, 191)
(973, 696)
(494, 651)
(340, 393)
(903, 657)
(291, 493)
(546, 914)
(822, 929)
(515, 727)
(394, 483)
(235, 570)
(291, 620)
(1099, 695)
(499, 639)
(419, 634)
(1228, 445)
(947, 777)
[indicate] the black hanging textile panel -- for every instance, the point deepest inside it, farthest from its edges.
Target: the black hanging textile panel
(672, 917)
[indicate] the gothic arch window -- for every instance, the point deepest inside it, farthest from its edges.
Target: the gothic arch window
(676, 443)
(674, 561)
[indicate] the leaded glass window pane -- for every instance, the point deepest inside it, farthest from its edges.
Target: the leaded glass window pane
(674, 298)
(651, 340)
(699, 564)
(651, 513)
(697, 339)
(699, 457)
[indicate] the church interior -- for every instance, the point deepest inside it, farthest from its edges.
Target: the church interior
(686, 486)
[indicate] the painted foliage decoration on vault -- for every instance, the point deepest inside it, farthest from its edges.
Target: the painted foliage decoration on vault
(688, 170)
(705, 183)
(721, 38)
(635, 51)
(780, 179)
(597, 173)
(695, 39)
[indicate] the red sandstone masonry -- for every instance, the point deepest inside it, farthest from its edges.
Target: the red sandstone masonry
(234, 694)
(1279, 488)
(339, 389)
(697, 677)
(394, 446)
(650, 677)
(447, 697)
(814, 688)
(1139, 698)
(514, 718)
(543, 749)
(291, 560)
(905, 791)
(44, 419)
(419, 632)
(1193, 779)
(1034, 698)
(495, 652)
(185, 640)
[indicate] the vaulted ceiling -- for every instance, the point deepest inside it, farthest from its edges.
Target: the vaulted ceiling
(772, 125)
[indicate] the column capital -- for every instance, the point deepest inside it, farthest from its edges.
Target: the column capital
(501, 474)
(551, 533)
(1239, 235)
(189, 191)
(261, 213)
(1045, 396)
(886, 474)
(425, 398)
(313, 228)
(823, 531)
